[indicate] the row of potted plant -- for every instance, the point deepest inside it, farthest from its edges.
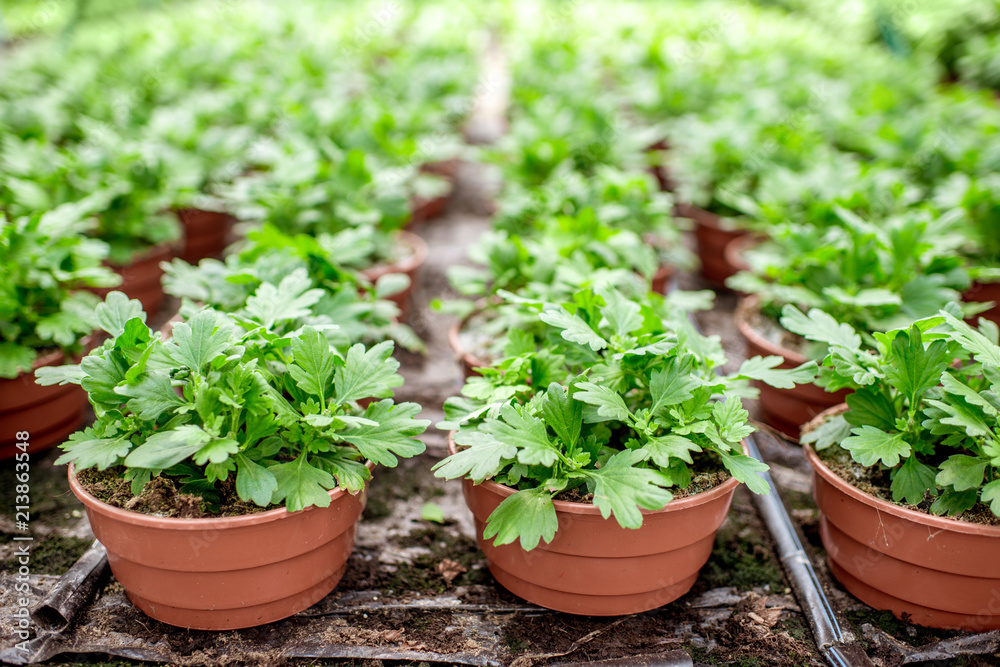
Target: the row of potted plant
(162, 153)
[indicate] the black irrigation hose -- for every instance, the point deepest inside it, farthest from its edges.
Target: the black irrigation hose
(830, 639)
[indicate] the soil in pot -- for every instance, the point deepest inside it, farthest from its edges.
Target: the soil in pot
(985, 292)
(46, 414)
(230, 572)
(413, 255)
(141, 278)
(593, 566)
(783, 409)
(205, 233)
(711, 237)
(928, 570)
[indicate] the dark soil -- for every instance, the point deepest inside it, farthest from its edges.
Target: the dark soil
(877, 483)
(51, 555)
(162, 497)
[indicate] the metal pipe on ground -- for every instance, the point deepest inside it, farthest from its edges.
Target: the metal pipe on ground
(837, 648)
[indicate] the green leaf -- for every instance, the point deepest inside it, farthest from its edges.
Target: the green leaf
(115, 312)
(870, 408)
(955, 502)
(621, 314)
(528, 515)
(218, 450)
(370, 374)
(151, 396)
(968, 419)
(991, 495)
(962, 472)
(87, 451)
(15, 359)
(391, 283)
(984, 350)
(395, 433)
(199, 340)
(915, 369)
(830, 432)
(869, 445)
(663, 449)
(312, 367)
(301, 485)
(820, 327)
(524, 431)
(745, 468)
(164, 449)
(563, 414)
(432, 512)
(621, 489)
(351, 475)
(672, 384)
(956, 387)
(912, 480)
(483, 459)
(609, 404)
(290, 300)
(765, 369)
(254, 483)
(731, 419)
(573, 328)
(49, 375)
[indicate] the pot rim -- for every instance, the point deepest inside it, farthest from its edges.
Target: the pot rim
(589, 509)
(405, 265)
(53, 357)
(454, 340)
(748, 304)
(173, 523)
(735, 249)
(883, 506)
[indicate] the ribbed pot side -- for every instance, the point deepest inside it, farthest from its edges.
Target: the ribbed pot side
(711, 240)
(230, 572)
(784, 409)
(985, 292)
(929, 570)
(595, 567)
(141, 278)
(47, 414)
(410, 265)
(205, 233)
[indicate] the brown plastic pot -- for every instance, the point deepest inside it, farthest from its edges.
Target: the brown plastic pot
(230, 572)
(662, 172)
(48, 414)
(928, 570)
(428, 209)
(784, 409)
(985, 292)
(711, 239)
(593, 566)
(410, 265)
(205, 233)
(141, 278)
(663, 278)
(469, 361)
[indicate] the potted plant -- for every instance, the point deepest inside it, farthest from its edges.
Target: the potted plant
(602, 420)
(918, 439)
(872, 277)
(46, 318)
(227, 465)
(135, 223)
(318, 188)
(977, 198)
(297, 270)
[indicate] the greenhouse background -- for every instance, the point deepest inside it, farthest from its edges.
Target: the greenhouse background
(523, 332)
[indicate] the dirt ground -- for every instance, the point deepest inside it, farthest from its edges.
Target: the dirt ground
(418, 591)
